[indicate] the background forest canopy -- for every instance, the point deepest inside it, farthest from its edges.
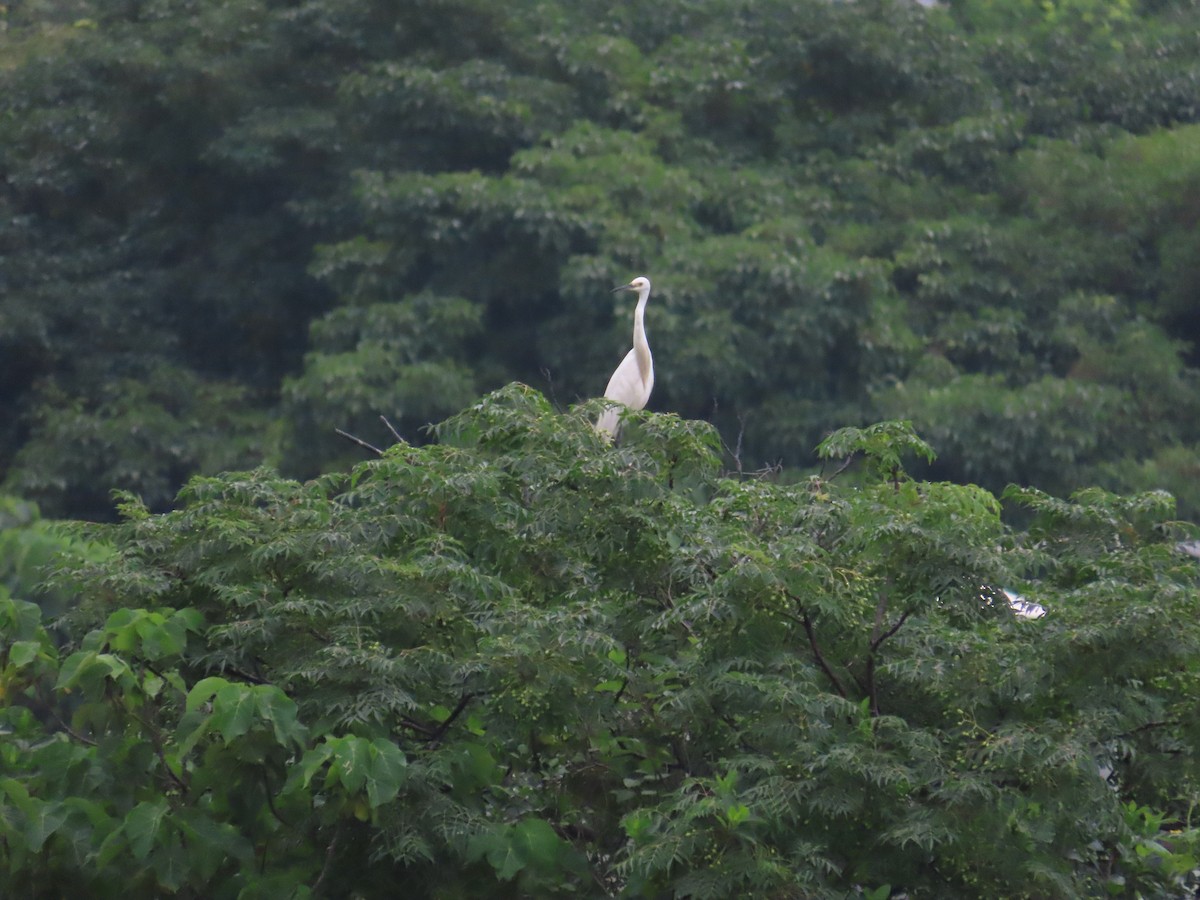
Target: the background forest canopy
(227, 228)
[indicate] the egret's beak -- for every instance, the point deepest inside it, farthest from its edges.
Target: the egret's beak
(624, 287)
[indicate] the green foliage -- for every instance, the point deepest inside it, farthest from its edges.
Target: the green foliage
(29, 545)
(523, 661)
(230, 229)
(142, 434)
(883, 445)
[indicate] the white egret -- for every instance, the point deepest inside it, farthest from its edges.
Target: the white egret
(631, 384)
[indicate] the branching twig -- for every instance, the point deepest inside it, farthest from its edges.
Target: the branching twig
(156, 742)
(74, 735)
(735, 452)
(620, 691)
(804, 620)
(878, 636)
(843, 467)
(454, 714)
(887, 634)
(1150, 726)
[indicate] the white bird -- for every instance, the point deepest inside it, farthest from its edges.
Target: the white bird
(631, 384)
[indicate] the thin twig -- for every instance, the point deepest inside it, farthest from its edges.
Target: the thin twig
(245, 676)
(360, 442)
(816, 648)
(337, 833)
(812, 642)
(156, 743)
(737, 450)
(842, 468)
(392, 429)
(417, 726)
(549, 376)
(878, 636)
(880, 612)
(74, 735)
(271, 803)
(887, 634)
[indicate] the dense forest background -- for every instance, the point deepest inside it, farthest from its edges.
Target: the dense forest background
(227, 229)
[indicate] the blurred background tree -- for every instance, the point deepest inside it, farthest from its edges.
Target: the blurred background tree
(226, 230)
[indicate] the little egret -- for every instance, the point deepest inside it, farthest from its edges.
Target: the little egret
(631, 384)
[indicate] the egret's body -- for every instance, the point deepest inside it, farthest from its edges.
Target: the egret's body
(631, 384)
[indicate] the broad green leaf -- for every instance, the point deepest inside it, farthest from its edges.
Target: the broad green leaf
(171, 863)
(43, 819)
(388, 771)
(22, 653)
(351, 763)
(537, 842)
(72, 667)
(203, 691)
(313, 760)
(90, 666)
(279, 709)
(505, 858)
(234, 711)
(142, 826)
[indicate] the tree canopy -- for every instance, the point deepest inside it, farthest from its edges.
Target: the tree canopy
(523, 662)
(227, 229)
(925, 330)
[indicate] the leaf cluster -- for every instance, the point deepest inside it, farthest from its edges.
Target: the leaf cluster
(266, 220)
(525, 661)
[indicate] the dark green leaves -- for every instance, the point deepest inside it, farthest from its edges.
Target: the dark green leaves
(525, 659)
(356, 764)
(850, 212)
(884, 445)
(233, 709)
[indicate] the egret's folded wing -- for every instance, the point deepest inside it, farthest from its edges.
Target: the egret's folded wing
(626, 386)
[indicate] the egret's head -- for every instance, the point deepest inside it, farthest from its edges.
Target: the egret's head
(639, 284)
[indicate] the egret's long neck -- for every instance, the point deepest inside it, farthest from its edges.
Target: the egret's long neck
(641, 346)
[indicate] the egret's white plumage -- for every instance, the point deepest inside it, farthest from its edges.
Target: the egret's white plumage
(631, 384)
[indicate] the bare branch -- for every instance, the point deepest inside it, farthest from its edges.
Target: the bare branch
(820, 658)
(329, 853)
(549, 376)
(71, 733)
(843, 467)
(804, 620)
(271, 803)
(360, 442)
(243, 675)
(417, 726)
(392, 429)
(735, 452)
(878, 636)
(887, 634)
(454, 714)
(880, 612)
